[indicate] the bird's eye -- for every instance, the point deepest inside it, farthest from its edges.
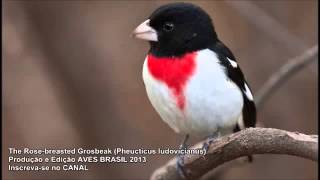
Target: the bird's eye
(168, 26)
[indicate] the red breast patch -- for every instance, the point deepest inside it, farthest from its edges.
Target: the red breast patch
(174, 71)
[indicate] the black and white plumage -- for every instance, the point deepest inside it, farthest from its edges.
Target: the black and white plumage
(192, 79)
(234, 73)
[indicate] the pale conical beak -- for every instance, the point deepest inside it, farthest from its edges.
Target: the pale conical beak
(145, 32)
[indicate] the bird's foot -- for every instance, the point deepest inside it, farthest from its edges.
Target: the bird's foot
(206, 145)
(180, 158)
(180, 166)
(209, 141)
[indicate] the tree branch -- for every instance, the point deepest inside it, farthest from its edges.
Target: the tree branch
(247, 142)
(278, 78)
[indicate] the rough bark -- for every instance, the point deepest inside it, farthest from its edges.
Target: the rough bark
(247, 142)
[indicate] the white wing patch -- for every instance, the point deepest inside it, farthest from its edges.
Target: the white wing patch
(248, 92)
(233, 63)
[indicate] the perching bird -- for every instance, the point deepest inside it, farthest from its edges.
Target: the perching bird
(192, 79)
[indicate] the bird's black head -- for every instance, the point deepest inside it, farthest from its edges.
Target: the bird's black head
(177, 28)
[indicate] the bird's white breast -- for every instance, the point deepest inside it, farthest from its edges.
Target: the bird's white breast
(212, 101)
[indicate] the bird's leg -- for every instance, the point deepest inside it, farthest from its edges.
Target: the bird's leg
(183, 144)
(180, 157)
(210, 139)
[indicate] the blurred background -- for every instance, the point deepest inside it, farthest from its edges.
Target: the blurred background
(72, 77)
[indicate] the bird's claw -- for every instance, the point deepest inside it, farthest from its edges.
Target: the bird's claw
(206, 145)
(209, 141)
(180, 158)
(180, 164)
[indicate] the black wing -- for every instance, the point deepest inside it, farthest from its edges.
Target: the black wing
(235, 74)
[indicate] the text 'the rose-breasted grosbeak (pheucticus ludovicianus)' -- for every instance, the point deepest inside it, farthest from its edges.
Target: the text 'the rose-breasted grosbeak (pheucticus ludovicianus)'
(192, 79)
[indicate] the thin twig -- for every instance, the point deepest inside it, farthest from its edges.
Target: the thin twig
(278, 78)
(247, 142)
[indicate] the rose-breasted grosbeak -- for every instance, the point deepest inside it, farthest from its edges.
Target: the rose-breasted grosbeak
(192, 79)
